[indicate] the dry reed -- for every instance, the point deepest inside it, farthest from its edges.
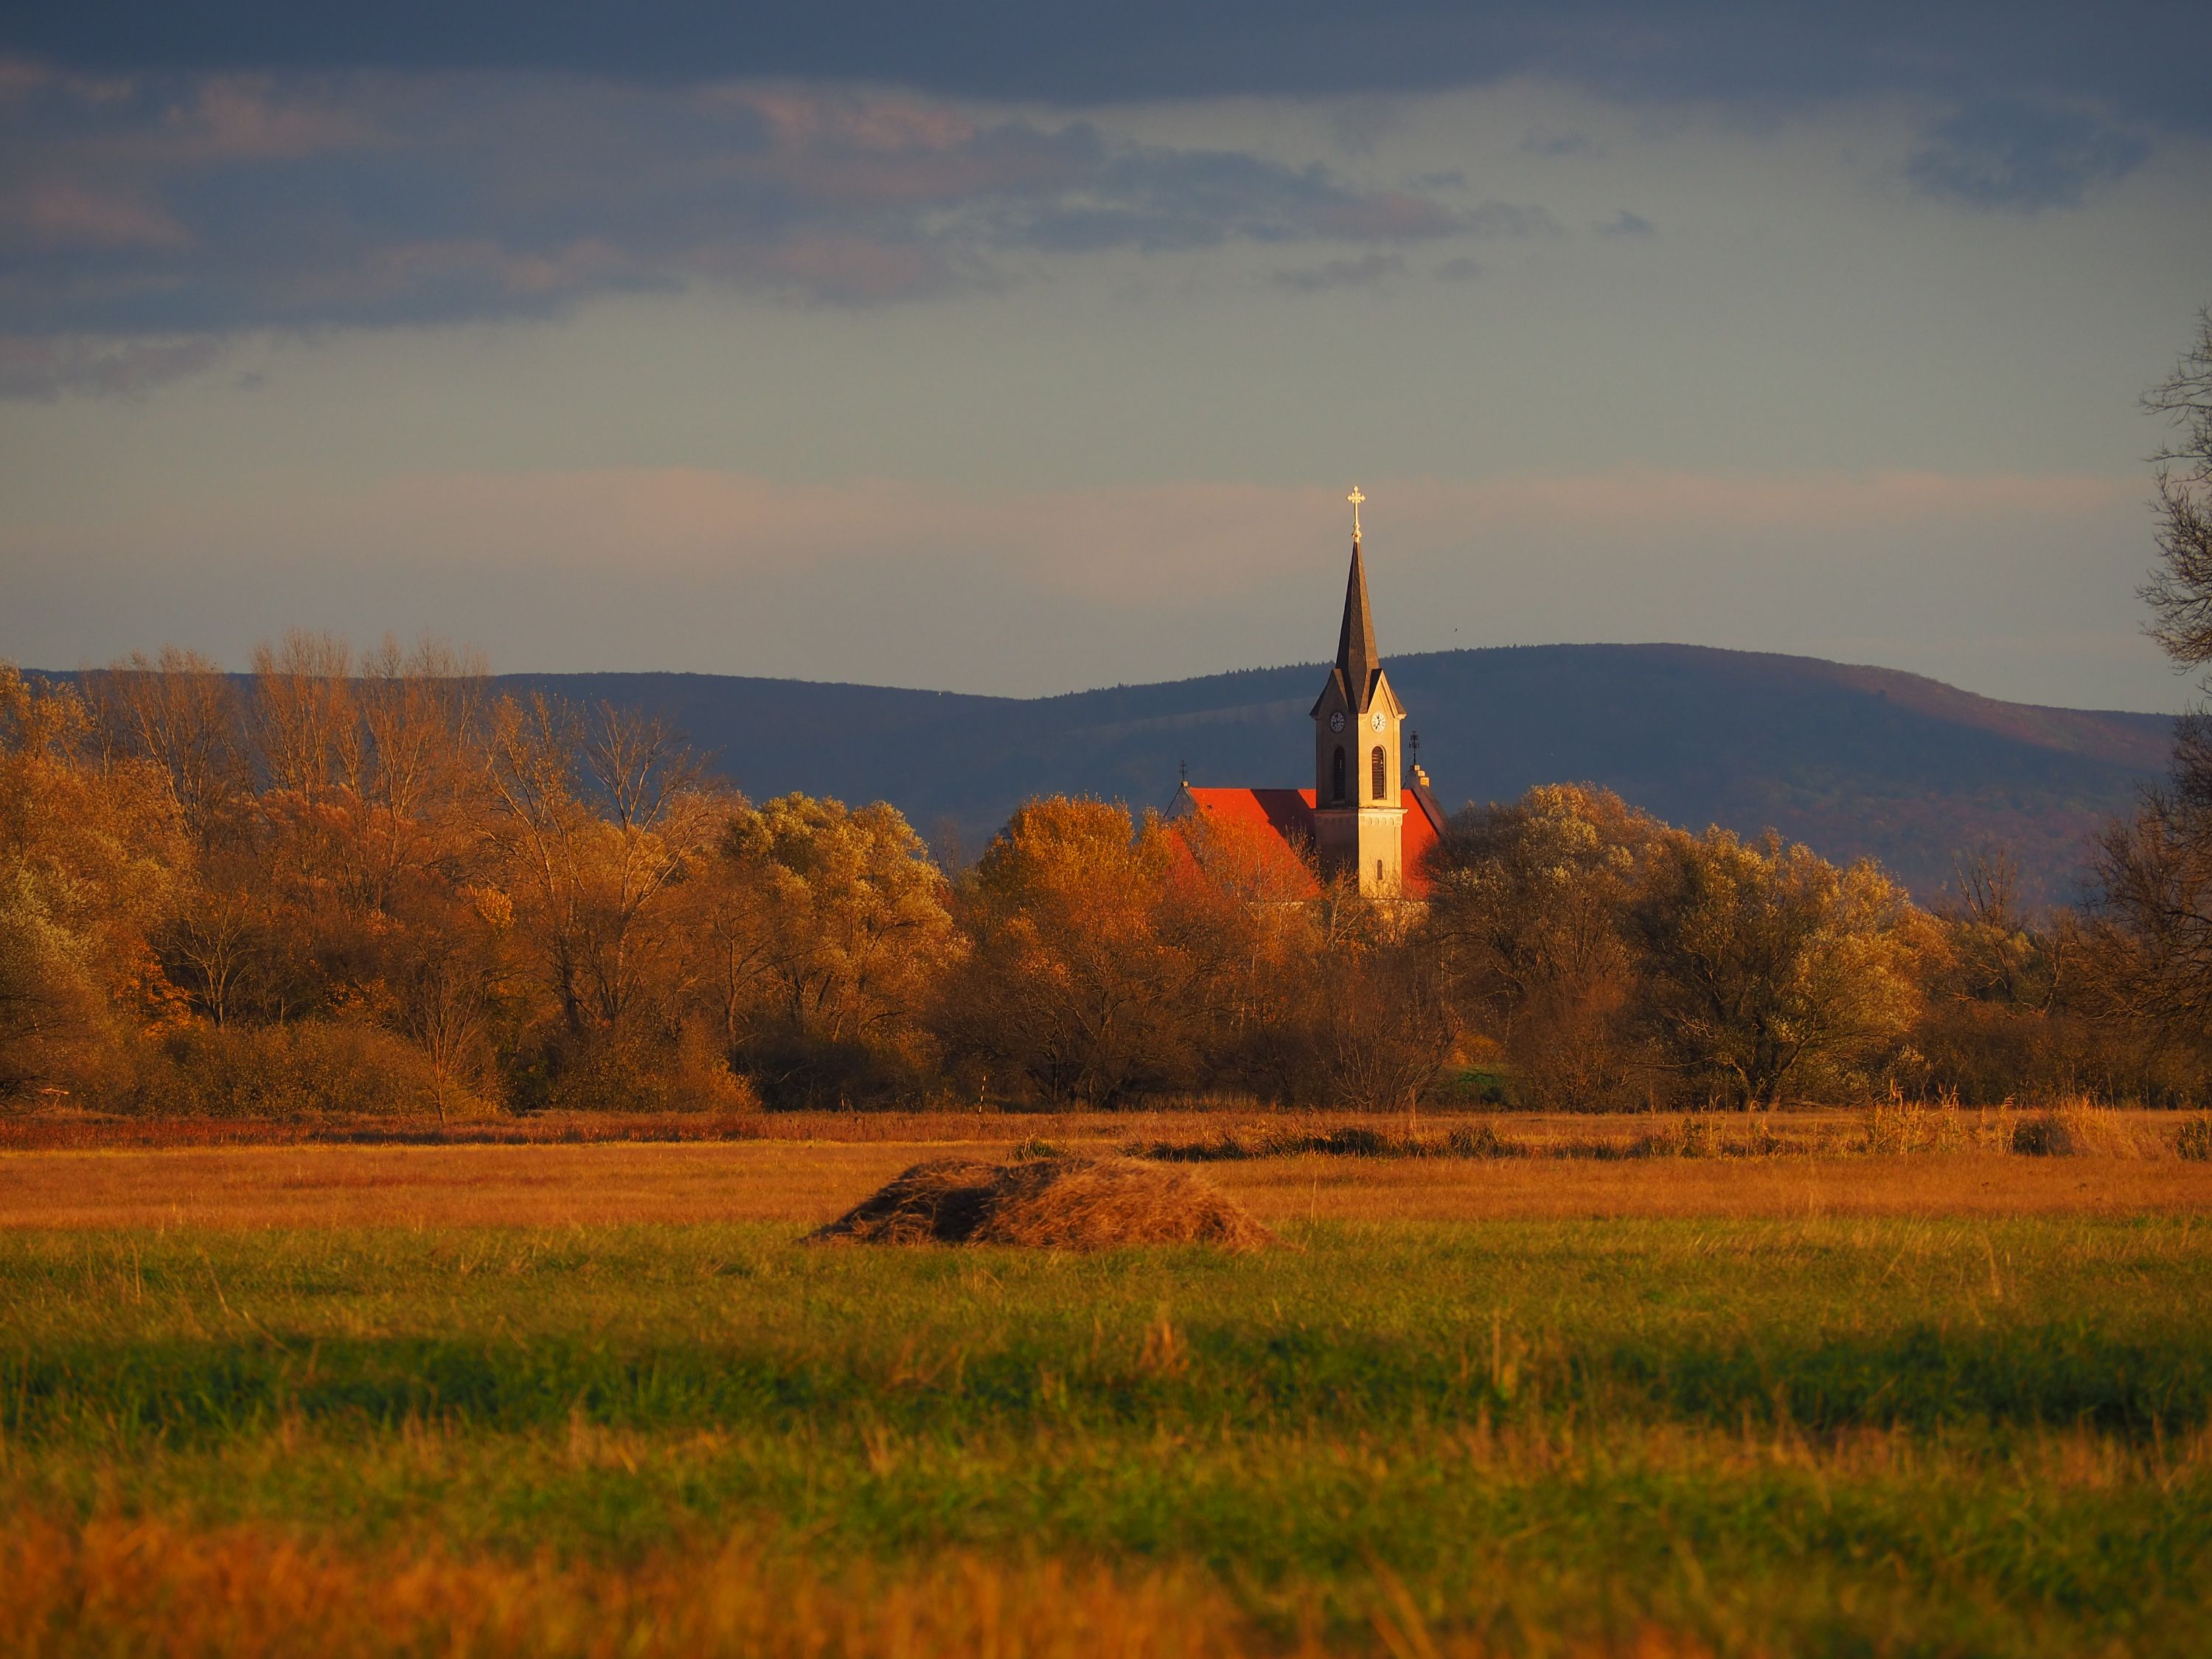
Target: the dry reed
(2079, 1129)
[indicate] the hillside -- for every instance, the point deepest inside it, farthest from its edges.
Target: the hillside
(1852, 760)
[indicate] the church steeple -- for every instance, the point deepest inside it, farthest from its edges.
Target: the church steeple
(1358, 799)
(1365, 825)
(1357, 658)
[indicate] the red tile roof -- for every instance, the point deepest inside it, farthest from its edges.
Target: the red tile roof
(1290, 814)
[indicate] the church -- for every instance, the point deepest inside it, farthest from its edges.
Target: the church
(1362, 817)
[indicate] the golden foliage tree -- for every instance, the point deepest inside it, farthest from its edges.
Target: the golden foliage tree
(1528, 903)
(1766, 967)
(92, 849)
(1074, 986)
(598, 813)
(822, 933)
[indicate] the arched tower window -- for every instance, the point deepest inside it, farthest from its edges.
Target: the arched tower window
(1336, 775)
(1378, 772)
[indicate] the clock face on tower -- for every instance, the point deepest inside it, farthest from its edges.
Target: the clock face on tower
(1376, 720)
(1336, 722)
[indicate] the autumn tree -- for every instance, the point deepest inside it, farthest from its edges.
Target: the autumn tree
(823, 934)
(1240, 905)
(598, 812)
(373, 771)
(179, 712)
(2179, 591)
(2155, 869)
(424, 800)
(1375, 1014)
(1765, 967)
(306, 727)
(447, 971)
(1073, 988)
(1529, 902)
(2143, 957)
(91, 847)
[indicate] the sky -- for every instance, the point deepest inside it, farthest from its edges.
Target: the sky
(1022, 348)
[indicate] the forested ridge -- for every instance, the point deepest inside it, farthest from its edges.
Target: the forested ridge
(1856, 762)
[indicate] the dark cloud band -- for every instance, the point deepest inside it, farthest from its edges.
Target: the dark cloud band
(171, 175)
(2137, 60)
(169, 207)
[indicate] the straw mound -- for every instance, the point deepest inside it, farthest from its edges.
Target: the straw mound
(1049, 1203)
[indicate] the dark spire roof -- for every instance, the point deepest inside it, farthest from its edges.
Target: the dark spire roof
(1357, 658)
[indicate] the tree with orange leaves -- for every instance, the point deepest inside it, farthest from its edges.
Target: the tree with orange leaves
(91, 850)
(1080, 986)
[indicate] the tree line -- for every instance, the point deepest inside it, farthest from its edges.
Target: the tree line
(366, 884)
(354, 884)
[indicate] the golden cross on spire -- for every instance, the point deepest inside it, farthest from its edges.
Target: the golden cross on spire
(1355, 498)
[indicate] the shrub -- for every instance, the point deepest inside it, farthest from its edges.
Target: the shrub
(1223, 1148)
(1354, 1141)
(646, 1071)
(309, 1068)
(1475, 1085)
(1481, 1140)
(790, 1070)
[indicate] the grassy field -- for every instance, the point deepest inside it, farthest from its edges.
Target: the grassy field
(596, 1399)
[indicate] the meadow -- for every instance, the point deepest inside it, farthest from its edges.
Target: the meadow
(596, 1398)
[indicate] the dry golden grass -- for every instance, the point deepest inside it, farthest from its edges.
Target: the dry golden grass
(1965, 1184)
(117, 1586)
(69, 1130)
(111, 1586)
(1046, 1203)
(805, 1185)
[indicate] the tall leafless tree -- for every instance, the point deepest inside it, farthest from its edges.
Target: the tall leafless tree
(2155, 870)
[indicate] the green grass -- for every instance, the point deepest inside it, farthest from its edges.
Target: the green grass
(1823, 1434)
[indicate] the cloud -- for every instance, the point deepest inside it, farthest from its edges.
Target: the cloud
(1342, 273)
(2022, 157)
(1558, 145)
(176, 207)
(1625, 223)
(173, 177)
(1108, 196)
(1459, 269)
(2140, 60)
(1508, 219)
(30, 367)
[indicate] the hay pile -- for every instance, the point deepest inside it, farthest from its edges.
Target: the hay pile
(1047, 1203)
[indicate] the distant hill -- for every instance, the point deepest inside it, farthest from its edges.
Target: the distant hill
(1852, 761)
